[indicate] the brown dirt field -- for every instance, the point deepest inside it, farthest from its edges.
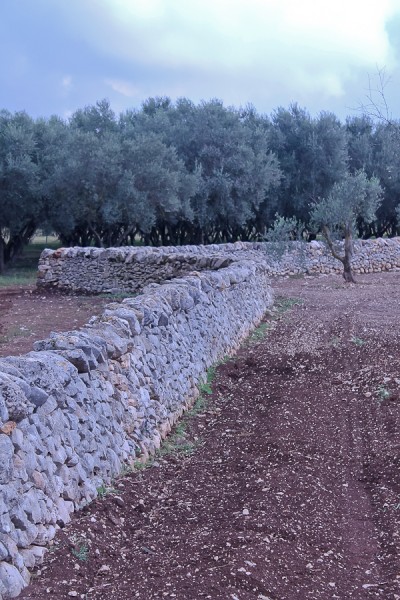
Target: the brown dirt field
(287, 485)
(28, 314)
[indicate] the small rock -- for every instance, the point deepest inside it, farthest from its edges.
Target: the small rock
(8, 427)
(103, 569)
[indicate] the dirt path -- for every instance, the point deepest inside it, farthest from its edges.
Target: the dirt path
(286, 485)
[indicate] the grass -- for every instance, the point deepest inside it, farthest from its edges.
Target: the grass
(103, 491)
(24, 270)
(357, 341)
(281, 306)
(80, 549)
(260, 332)
(14, 332)
(177, 443)
(116, 296)
(21, 277)
(383, 393)
(335, 342)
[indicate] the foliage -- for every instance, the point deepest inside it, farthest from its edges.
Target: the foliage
(354, 197)
(282, 232)
(20, 205)
(181, 173)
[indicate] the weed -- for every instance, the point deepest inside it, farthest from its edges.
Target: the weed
(103, 491)
(282, 305)
(260, 332)
(225, 360)
(139, 465)
(125, 470)
(357, 341)
(80, 549)
(205, 387)
(383, 393)
(197, 407)
(175, 444)
(335, 342)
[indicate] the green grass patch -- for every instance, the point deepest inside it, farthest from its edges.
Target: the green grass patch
(282, 305)
(23, 270)
(22, 277)
(104, 490)
(14, 332)
(357, 341)
(81, 549)
(260, 332)
(116, 296)
(177, 443)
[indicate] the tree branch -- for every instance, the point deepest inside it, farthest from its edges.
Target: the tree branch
(327, 235)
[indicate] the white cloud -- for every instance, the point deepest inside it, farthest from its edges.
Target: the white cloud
(209, 32)
(123, 87)
(316, 45)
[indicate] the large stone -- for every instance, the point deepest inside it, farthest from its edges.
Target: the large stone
(11, 580)
(15, 405)
(6, 462)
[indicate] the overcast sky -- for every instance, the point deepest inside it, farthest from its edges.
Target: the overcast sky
(60, 55)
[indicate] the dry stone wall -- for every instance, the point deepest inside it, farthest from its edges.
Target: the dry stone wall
(129, 269)
(86, 402)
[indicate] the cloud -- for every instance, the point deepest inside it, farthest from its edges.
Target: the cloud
(268, 52)
(318, 47)
(123, 87)
(66, 82)
(208, 33)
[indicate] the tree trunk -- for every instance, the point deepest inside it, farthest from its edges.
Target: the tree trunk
(348, 255)
(1, 254)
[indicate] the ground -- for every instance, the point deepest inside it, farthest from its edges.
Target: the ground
(283, 485)
(28, 314)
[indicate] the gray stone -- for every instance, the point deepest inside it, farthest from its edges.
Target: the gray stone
(15, 403)
(6, 462)
(12, 581)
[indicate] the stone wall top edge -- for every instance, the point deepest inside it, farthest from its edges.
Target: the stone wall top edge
(93, 252)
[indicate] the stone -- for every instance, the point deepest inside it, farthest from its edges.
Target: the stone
(15, 405)
(6, 462)
(12, 581)
(8, 427)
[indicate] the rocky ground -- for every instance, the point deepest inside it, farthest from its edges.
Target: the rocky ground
(283, 485)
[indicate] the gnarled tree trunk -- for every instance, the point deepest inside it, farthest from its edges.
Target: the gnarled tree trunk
(348, 252)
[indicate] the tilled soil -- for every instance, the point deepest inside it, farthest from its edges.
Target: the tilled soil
(285, 486)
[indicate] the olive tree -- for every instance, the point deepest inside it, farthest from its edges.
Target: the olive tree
(355, 196)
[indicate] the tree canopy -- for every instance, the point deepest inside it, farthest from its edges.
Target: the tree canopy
(181, 173)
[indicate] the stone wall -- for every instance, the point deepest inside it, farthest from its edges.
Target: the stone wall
(86, 402)
(129, 269)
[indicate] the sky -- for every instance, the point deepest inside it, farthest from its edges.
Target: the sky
(61, 55)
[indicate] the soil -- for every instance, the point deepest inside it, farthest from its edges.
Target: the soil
(28, 314)
(284, 486)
